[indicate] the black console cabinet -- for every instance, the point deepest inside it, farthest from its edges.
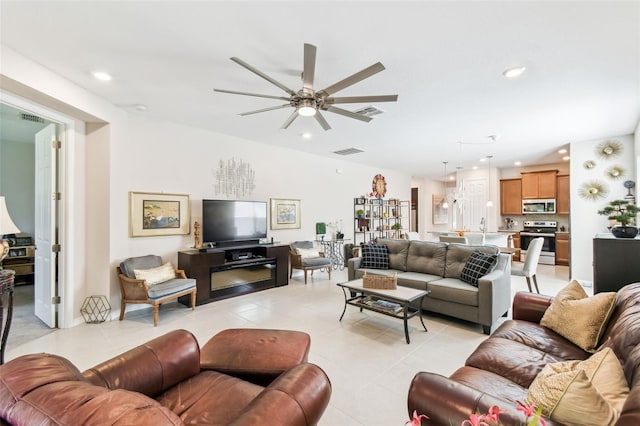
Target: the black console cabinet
(616, 262)
(200, 264)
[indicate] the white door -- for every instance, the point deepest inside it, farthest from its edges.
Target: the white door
(45, 225)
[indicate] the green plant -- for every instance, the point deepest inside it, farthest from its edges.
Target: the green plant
(321, 228)
(396, 226)
(622, 211)
(360, 212)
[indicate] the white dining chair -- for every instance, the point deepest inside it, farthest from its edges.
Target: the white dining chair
(528, 268)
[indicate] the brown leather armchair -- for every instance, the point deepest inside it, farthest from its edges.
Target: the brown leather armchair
(164, 382)
(138, 291)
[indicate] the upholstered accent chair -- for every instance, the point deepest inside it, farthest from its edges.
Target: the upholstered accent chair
(303, 255)
(145, 279)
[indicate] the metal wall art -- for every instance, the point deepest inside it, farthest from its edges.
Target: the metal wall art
(609, 149)
(235, 177)
(615, 172)
(593, 190)
(589, 164)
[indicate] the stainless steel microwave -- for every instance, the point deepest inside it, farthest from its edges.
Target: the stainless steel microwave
(547, 206)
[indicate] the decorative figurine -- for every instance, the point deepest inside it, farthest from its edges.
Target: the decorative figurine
(196, 235)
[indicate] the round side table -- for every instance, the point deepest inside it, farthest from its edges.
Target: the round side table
(6, 286)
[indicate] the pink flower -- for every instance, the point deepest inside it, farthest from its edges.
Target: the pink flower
(475, 420)
(494, 413)
(531, 411)
(416, 420)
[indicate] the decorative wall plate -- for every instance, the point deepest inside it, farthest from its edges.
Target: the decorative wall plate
(593, 190)
(609, 149)
(589, 164)
(379, 186)
(615, 172)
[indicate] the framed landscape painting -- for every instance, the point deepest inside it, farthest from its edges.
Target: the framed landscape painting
(155, 214)
(285, 214)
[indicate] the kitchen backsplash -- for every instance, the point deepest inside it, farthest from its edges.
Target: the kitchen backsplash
(517, 221)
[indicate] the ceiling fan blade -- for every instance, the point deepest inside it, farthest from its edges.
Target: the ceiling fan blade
(353, 79)
(349, 114)
(320, 119)
(233, 92)
(360, 99)
(292, 117)
(263, 75)
(265, 109)
(309, 69)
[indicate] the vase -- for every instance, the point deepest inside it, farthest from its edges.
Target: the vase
(624, 231)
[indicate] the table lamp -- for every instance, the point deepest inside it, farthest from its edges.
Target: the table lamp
(6, 227)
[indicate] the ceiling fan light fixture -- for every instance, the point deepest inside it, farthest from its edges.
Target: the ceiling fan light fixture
(307, 108)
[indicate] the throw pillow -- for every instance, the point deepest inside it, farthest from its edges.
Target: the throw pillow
(375, 256)
(478, 265)
(590, 392)
(577, 317)
(156, 275)
(307, 253)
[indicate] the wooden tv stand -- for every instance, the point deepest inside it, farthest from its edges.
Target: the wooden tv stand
(204, 264)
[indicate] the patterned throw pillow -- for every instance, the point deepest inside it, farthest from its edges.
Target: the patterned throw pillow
(375, 257)
(478, 265)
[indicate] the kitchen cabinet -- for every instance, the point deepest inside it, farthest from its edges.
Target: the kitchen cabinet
(562, 248)
(539, 185)
(510, 197)
(562, 200)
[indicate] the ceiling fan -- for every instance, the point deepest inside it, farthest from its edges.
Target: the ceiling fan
(308, 102)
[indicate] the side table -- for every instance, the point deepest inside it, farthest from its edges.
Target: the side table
(7, 277)
(334, 251)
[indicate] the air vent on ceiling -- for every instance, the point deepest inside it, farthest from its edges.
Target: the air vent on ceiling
(369, 111)
(348, 151)
(31, 117)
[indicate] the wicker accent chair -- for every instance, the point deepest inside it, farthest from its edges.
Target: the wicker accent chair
(299, 260)
(138, 291)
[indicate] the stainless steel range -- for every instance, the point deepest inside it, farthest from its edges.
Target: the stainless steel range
(540, 228)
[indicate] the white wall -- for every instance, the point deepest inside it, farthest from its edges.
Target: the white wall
(17, 176)
(585, 220)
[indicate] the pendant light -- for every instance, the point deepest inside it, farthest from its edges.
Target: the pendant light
(445, 205)
(489, 202)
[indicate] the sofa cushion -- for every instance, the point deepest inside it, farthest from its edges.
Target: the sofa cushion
(478, 265)
(307, 252)
(578, 317)
(156, 275)
(590, 392)
(140, 262)
(398, 250)
(457, 255)
(416, 280)
(375, 256)
(454, 290)
(166, 288)
(427, 257)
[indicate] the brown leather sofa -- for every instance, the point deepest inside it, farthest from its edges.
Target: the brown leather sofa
(163, 382)
(501, 369)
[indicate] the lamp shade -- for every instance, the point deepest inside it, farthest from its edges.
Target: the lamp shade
(6, 224)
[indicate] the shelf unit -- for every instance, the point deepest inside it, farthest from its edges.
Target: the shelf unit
(381, 219)
(21, 260)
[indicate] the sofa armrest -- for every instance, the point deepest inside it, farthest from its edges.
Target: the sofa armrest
(353, 264)
(298, 397)
(446, 401)
(530, 306)
(152, 367)
(494, 293)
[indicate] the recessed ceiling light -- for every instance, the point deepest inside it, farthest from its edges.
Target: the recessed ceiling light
(452, 178)
(483, 159)
(102, 76)
(306, 135)
(517, 163)
(475, 167)
(562, 151)
(140, 107)
(513, 72)
(566, 158)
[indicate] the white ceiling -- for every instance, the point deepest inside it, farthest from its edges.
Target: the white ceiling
(443, 59)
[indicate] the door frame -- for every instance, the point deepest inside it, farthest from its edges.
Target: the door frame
(66, 275)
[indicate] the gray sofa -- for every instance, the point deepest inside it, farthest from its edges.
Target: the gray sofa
(437, 267)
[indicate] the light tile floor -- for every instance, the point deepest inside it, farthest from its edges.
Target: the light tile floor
(365, 355)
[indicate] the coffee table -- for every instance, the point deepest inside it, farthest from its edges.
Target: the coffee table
(356, 295)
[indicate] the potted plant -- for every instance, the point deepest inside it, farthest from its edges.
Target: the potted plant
(397, 226)
(624, 213)
(360, 213)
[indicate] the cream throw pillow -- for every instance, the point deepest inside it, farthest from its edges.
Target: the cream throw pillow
(156, 275)
(577, 317)
(590, 392)
(306, 253)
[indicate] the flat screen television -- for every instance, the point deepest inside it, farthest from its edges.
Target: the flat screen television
(233, 221)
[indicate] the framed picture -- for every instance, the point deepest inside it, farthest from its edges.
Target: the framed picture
(285, 214)
(152, 214)
(440, 214)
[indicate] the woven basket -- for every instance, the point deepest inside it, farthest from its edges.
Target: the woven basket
(380, 282)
